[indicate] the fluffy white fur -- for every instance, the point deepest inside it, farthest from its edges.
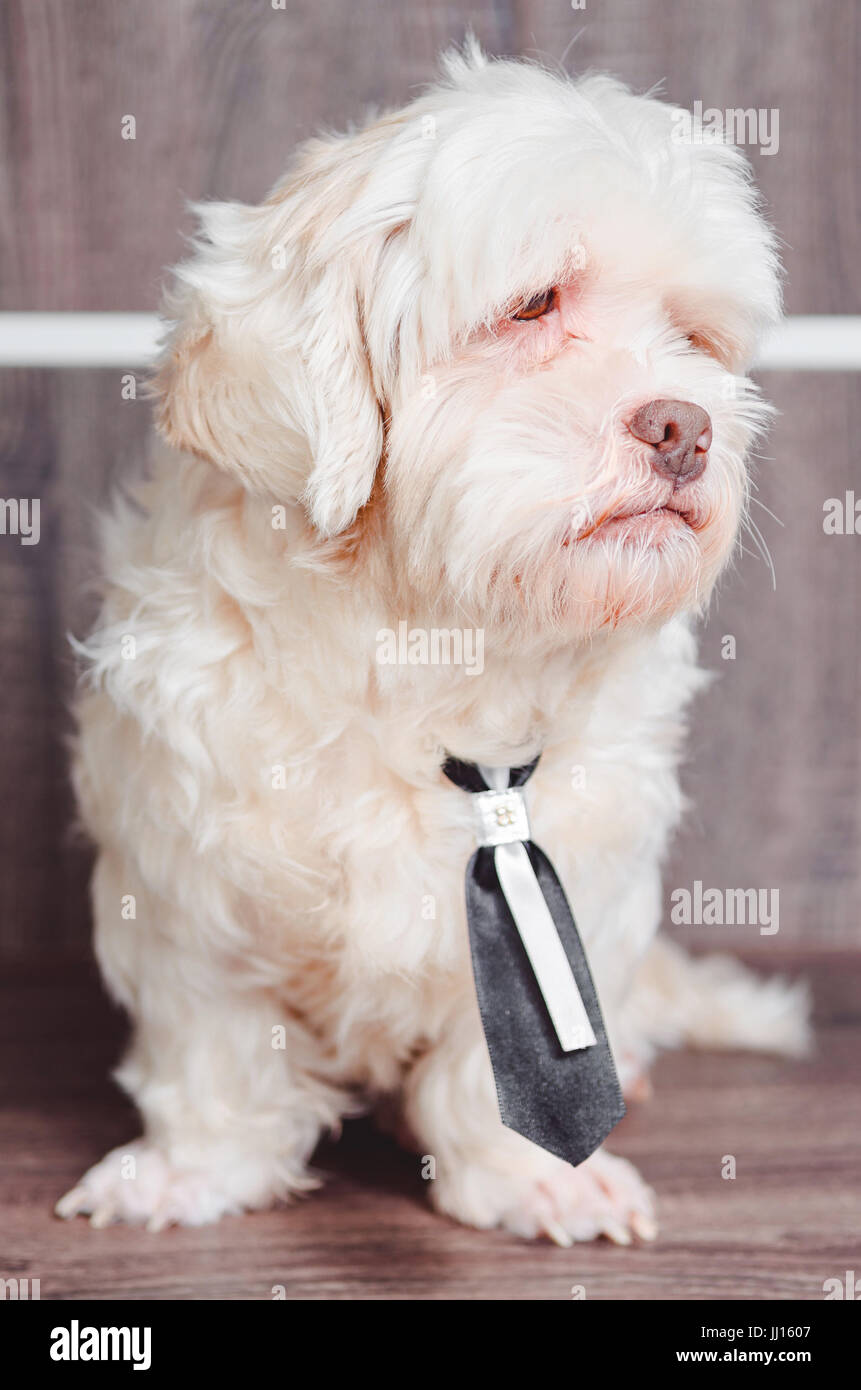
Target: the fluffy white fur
(270, 795)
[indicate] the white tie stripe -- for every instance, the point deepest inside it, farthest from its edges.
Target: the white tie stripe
(503, 824)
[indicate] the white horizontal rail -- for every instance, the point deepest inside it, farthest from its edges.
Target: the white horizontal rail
(814, 343)
(78, 340)
(805, 342)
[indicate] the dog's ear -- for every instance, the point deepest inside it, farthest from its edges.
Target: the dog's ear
(266, 371)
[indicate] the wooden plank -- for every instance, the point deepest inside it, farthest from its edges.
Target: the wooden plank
(786, 1223)
(64, 436)
(222, 92)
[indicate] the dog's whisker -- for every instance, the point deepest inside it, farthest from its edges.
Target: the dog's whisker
(768, 510)
(761, 545)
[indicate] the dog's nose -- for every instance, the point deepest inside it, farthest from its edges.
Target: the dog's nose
(680, 434)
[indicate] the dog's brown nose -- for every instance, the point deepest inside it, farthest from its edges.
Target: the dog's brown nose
(680, 434)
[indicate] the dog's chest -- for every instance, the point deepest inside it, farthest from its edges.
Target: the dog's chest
(598, 806)
(386, 840)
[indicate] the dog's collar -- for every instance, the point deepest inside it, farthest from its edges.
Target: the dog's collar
(468, 776)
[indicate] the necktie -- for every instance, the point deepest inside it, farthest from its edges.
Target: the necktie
(555, 1078)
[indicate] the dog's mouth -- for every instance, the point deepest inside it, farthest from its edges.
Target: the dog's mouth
(653, 524)
(650, 524)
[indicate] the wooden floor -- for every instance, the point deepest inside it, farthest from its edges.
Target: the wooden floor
(789, 1220)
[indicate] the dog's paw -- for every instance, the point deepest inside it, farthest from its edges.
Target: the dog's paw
(138, 1185)
(605, 1196)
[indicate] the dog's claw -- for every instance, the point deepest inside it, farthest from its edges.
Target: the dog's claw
(643, 1225)
(69, 1205)
(558, 1234)
(615, 1231)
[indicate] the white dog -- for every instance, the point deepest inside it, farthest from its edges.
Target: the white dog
(474, 369)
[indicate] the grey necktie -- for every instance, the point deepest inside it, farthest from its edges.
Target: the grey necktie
(555, 1077)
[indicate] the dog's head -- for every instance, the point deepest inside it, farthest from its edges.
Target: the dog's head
(518, 311)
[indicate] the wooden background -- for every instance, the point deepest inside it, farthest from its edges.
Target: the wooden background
(220, 92)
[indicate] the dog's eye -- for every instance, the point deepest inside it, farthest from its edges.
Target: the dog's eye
(537, 307)
(707, 343)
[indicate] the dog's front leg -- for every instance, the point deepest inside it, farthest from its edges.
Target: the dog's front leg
(228, 1122)
(228, 1085)
(486, 1175)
